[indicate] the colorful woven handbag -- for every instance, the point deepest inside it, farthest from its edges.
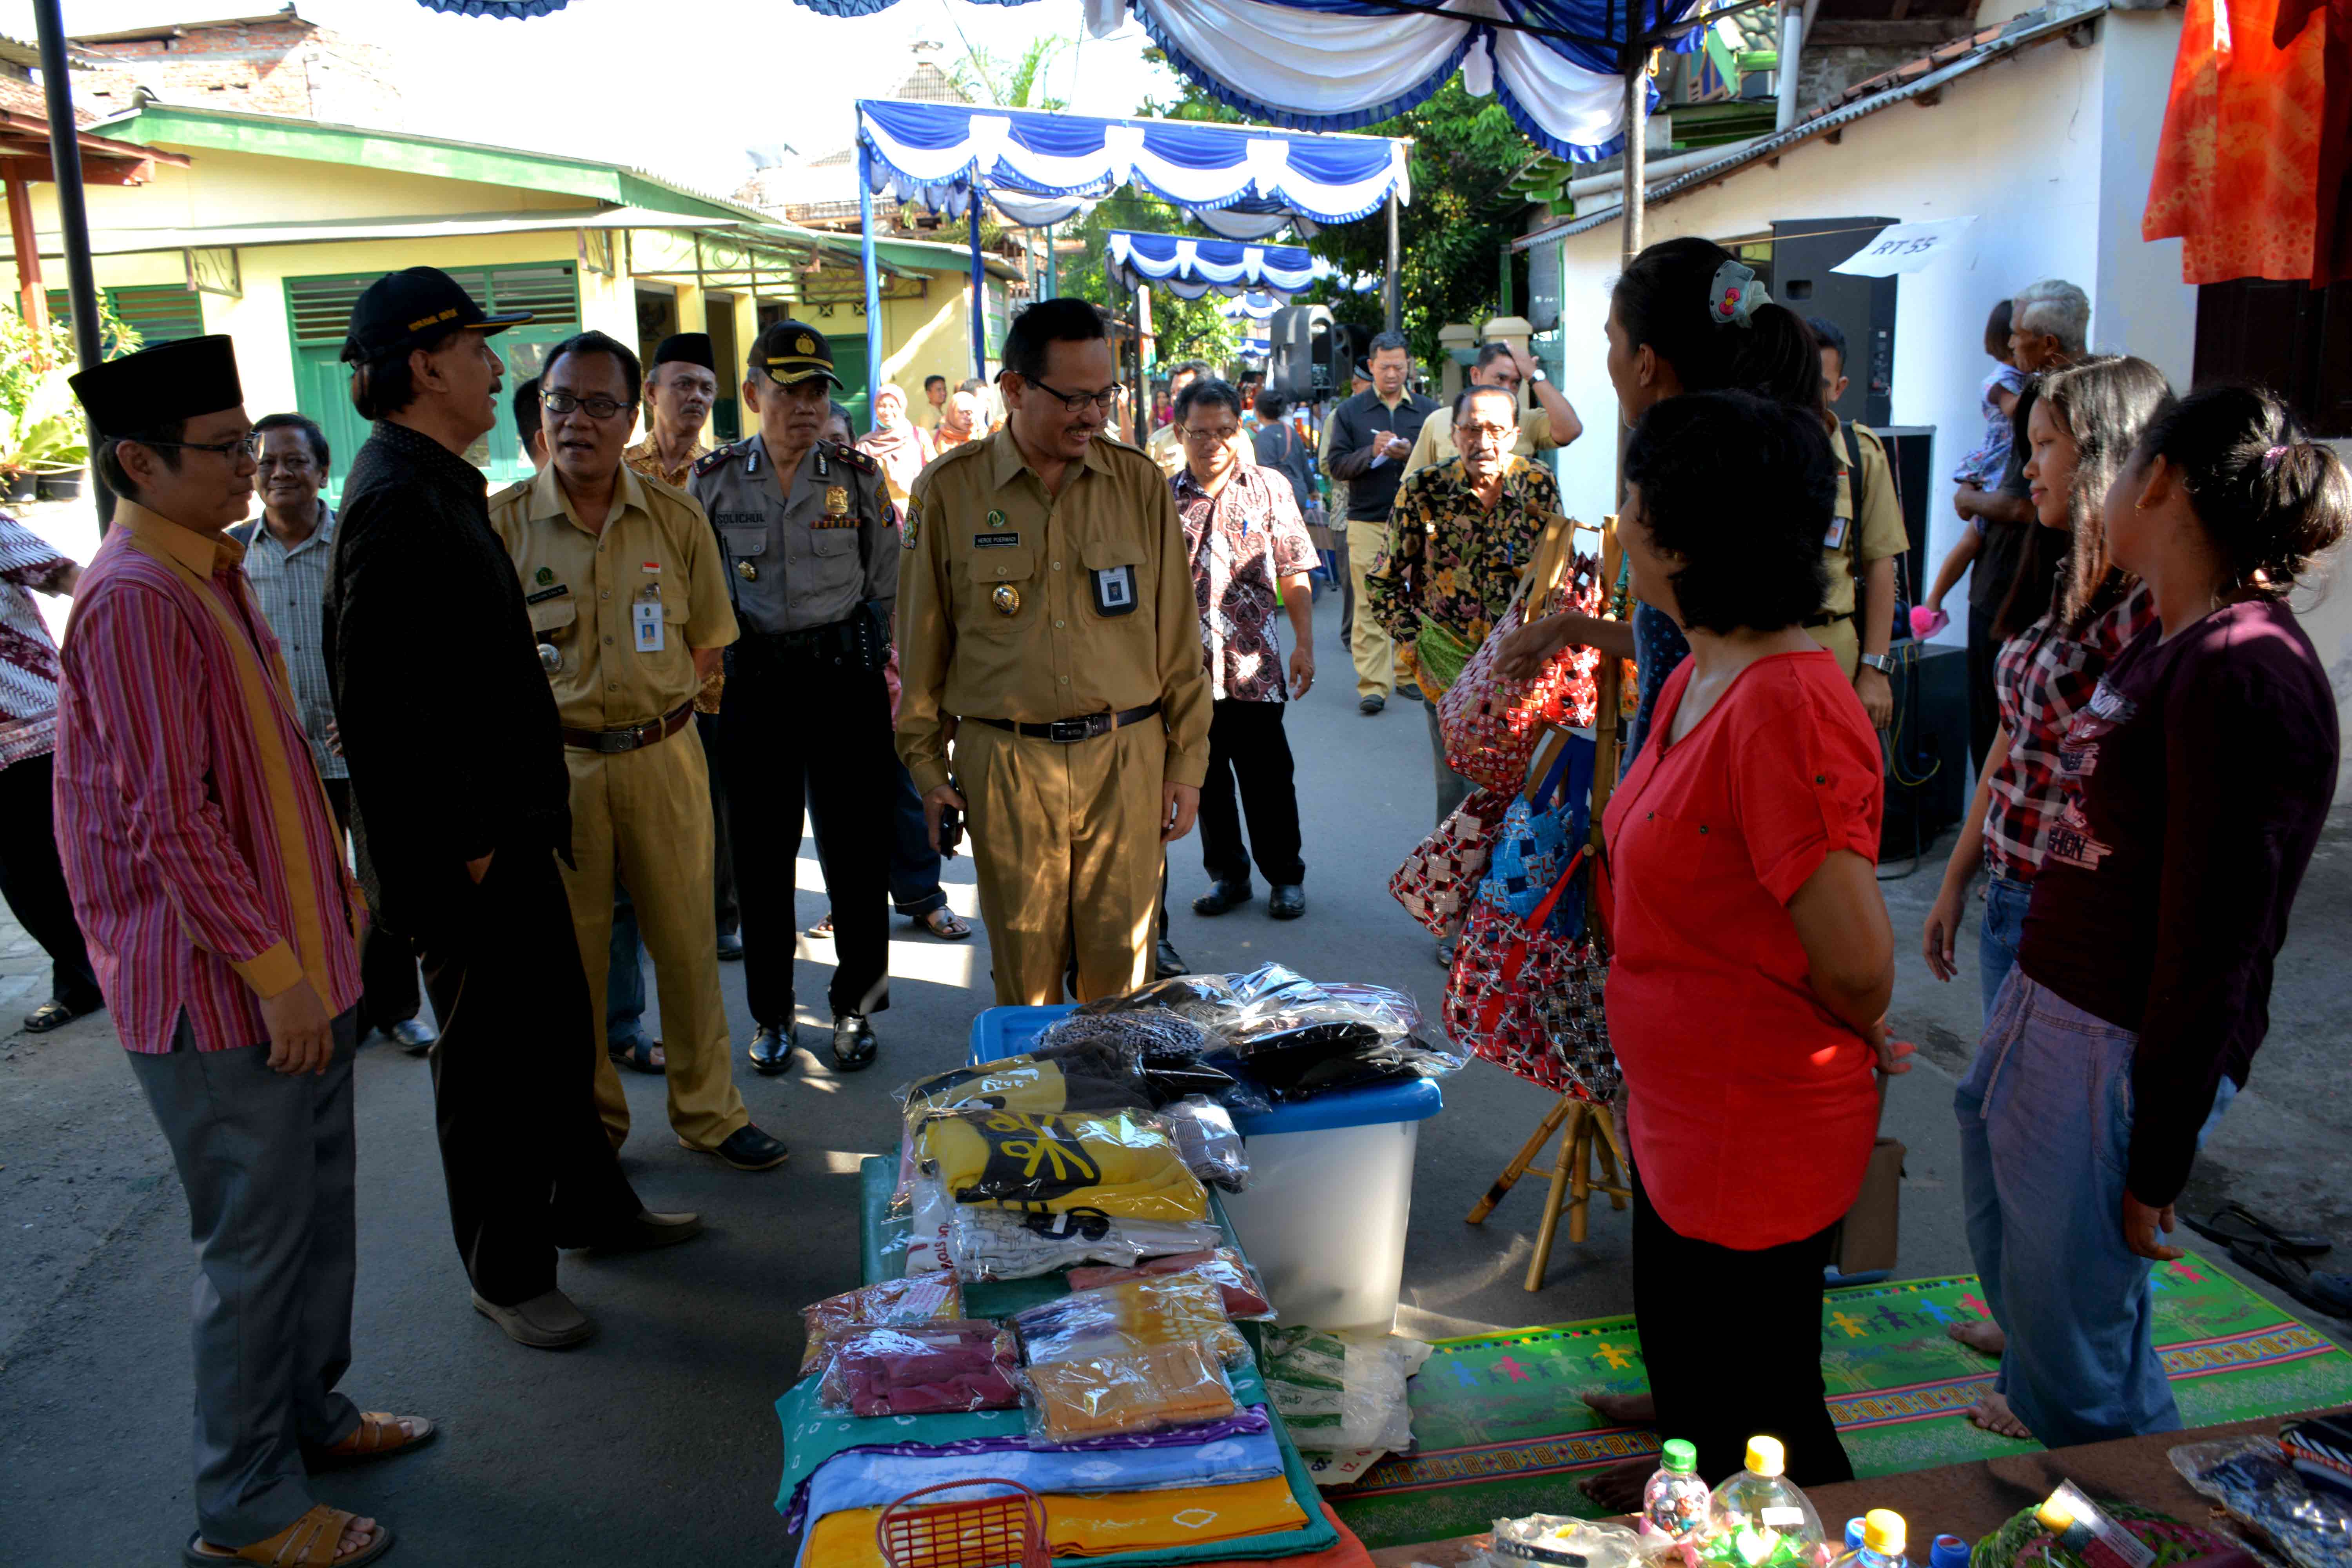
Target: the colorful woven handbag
(1539, 837)
(1441, 876)
(1530, 1000)
(1490, 723)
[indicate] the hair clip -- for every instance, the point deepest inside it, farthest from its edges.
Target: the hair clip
(2270, 459)
(1735, 294)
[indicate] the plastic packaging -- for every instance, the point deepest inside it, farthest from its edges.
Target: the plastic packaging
(1104, 1078)
(1674, 1503)
(986, 1243)
(1883, 1540)
(1134, 1314)
(1245, 1295)
(930, 1213)
(1200, 997)
(2306, 1519)
(1211, 1146)
(1552, 1538)
(1297, 1038)
(1148, 1388)
(1167, 1048)
(926, 1370)
(2084, 1528)
(1758, 1519)
(917, 1298)
(1121, 1164)
(1336, 1393)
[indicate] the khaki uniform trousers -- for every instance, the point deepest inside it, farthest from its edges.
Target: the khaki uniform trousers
(1065, 847)
(1367, 640)
(648, 814)
(1842, 638)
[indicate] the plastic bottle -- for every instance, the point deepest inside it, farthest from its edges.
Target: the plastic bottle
(1759, 1518)
(1883, 1541)
(1948, 1552)
(1675, 1502)
(1853, 1533)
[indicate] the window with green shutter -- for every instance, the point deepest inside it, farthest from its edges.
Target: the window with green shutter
(160, 313)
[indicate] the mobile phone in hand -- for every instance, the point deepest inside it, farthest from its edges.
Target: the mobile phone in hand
(950, 827)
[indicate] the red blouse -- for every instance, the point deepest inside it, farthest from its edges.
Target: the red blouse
(1753, 1107)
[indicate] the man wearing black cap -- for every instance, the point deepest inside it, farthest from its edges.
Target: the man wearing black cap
(812, 545)
(681, 383)
(461, 803)
(207, 874)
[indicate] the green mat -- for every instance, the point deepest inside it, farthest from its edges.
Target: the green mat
(1500, 1428)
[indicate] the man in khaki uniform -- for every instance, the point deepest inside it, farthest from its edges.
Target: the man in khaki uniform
(627, 596)
(1860, 639)
(1047, 630)
(1552, 423)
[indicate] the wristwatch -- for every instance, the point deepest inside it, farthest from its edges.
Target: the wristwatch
(1881, 662)
(1536, 374)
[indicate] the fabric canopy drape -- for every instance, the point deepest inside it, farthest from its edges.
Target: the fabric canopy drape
(1189, 268)
(1254, 306)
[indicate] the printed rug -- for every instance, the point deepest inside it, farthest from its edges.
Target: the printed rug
(1501, 1431)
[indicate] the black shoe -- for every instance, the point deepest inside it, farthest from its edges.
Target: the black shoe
(730, 947)
(412, 1036)
(1371, 705)
(772, 1048)
(646, 1229)
(1223, 895)
(1287, 903)
(854, 1044)
(747, 1149)
(1167, 963)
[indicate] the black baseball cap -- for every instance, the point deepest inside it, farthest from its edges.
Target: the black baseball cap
(793, 351)
(403, 309)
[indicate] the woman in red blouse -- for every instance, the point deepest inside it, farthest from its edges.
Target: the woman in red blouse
(1753, 956)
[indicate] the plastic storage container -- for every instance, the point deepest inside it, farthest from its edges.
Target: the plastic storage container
(1331, 1188)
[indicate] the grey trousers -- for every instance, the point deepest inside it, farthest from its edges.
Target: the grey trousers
(267, 1162)
(1452, 789)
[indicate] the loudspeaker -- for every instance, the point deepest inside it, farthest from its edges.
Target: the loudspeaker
(1298, 344)
(1911, 453)
(1803, 251)
(1927, 750)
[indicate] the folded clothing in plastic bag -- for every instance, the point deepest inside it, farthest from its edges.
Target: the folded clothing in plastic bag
(922, 1370)
(1116, 1163)
(925, 1296)
(1132, 1314)
(1243, 1296)
(1142, 1389)
(1340, 1392)
(1167, 1048)
(1103, 1077)
(1196, 996)
(986, 1243)
(1210, 1144)
(1296, 1038)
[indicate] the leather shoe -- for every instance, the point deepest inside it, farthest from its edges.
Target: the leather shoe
(1167, 963)
(730, 947)
(412, 1036)
(1223, 895)
(644, 1230)
(772, 1048)
(854, 1044)
(747, 1149)
(1287, 903)
(1369, 706)
(546, 1322)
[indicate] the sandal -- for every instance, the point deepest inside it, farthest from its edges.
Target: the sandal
(2329, 1293)
(49, 1014)
(639, 1058)
(309, 1542)
(945, 924)
(823, 928)
(2235, 1222)
(378, 1436)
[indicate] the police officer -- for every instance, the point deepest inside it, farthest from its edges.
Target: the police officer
(627, 596)
(812, 548)
(1050, 633)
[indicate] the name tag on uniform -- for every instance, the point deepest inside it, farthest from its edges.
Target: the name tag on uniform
(996, 541)
(647, 617)
(1114, 590)
(546, 594)
(1836, 538)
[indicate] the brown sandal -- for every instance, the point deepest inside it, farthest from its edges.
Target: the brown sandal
(378, 1436)
(309, 1542)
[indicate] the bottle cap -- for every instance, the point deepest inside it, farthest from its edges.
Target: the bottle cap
(1680, 1455)
(1883, 1531)
(1766, 1457)
(1948, 1552)
(1853, 1533)
(2056, 1515)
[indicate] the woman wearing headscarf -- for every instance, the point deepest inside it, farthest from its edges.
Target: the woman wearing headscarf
(955, 423)
(896, 443)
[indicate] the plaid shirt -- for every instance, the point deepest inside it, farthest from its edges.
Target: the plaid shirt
(291, 586)
(1242, 541)
(2042, 678)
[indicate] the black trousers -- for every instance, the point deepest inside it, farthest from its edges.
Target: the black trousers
(1984, 707)
(514, 1078)
(1249, 748)
(800, 738)
(722, 871)
(388, 991)
(1720, 1384)
(34, 882)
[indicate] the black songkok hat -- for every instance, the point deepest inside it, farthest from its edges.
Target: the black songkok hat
(685, 348)
(161, 385)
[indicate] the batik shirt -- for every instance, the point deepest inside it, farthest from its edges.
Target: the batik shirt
(1452, 560)
(28, 655)
(1241, 541)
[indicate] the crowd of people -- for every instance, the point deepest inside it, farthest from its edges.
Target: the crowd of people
(1001, 626)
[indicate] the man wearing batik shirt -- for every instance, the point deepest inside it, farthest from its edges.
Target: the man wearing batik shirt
(1460, 536)
(1243, 533)
(30, 877)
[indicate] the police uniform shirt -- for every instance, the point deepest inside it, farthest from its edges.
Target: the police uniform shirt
(805, 556)
(1883, 533)
(1029, 607)
(582, 590)
(1434, 444)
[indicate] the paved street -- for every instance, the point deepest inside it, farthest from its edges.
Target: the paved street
(655, 1444)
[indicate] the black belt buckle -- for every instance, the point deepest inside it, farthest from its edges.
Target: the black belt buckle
(611, 743)
(1068, 731)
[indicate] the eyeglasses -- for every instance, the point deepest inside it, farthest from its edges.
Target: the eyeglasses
(249, 444)
(1498, 434)
(594, 407)
(1075, 402)
(1208, 437)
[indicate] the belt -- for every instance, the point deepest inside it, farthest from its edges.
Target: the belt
(1827, 618)
(1070, 731)
(634, 738)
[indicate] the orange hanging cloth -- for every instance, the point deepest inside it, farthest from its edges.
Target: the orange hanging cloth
(2254, 171)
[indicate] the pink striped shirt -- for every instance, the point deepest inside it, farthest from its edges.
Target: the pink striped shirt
(175, 818)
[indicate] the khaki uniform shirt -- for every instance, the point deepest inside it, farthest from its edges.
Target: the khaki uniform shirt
(1883, 533)
(582, 589)
(807, 549)
(1033, 608)
(646, 459)
(1435, 443)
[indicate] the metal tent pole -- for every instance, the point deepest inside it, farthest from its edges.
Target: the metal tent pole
(1389, 295)
(873, 282)
(73, 213)
(979, 289)
(1053, 289)
(1637, 133)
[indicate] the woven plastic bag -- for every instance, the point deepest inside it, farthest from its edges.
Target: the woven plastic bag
(1490, 723)
(1438, 880)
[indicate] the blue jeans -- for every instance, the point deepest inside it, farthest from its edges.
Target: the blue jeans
(624, 982)
(2003, 929)
(2045, 1117)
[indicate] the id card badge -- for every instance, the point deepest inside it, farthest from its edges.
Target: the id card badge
(1836, 538)
(648, 616)
(1114, 590)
